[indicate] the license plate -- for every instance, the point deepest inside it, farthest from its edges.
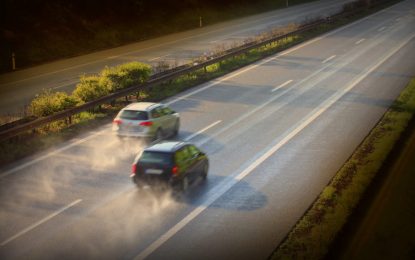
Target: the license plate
(154, 171)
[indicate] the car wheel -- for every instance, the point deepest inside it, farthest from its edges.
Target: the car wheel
(185, 184)
(176, 128)
(204, 172)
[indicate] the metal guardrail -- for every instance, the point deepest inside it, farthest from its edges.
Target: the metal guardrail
(156, 79)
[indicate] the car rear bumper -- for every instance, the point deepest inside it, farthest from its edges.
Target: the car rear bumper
(140, 181)
(134, 134)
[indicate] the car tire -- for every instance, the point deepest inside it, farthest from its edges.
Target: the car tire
(204, 171)
(184, 184)
(176, 128)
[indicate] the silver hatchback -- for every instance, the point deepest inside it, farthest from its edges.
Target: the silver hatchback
(146, 119)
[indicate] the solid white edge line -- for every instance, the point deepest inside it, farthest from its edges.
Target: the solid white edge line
(381, 28)
(156, 58)
(282, 85)
(66, 84)
(113, 57)
(40, 222)
(318, 111)
(360, 41)
(202, 130)
(329, 58)
(218, 81)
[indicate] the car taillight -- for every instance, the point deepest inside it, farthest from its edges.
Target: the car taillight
(175, 170)
(133, 169)
(146, 123)
(117, 121)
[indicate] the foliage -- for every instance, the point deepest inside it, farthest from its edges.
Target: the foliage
(125, 75)
(49, 102)
(90, 88)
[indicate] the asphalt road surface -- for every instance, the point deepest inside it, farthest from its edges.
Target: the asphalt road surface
(17, 89)
(275, 132)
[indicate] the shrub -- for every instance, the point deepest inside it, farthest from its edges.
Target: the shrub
(90, 88)
(125, 75)
(49, 102)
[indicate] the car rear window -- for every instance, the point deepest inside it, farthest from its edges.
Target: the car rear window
(134, 115)
(156, 157)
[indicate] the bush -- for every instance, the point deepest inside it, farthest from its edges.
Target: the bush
(90, 88)
(49, 102)
(125, 75)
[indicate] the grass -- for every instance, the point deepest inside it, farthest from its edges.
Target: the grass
(312, 235)
(394, 228)
(381, 226)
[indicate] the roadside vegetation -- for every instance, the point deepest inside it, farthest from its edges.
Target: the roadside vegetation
(313, 234)
(39, 31)
(114, 78)
(317, 229)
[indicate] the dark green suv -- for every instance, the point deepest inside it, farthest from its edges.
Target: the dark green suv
(172, 163)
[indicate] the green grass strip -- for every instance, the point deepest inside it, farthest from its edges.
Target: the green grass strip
(313, 233)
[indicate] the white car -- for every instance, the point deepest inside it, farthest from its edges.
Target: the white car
(148, 120)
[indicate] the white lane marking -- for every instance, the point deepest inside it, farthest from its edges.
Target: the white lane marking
(360, 41)
(215, 41)
(381, 28)
(66, 84)
(253, 111)
(313, 115)
(165, 43)
(24, 165)
(256, 65)
(329, 59)
(398, 19)
(113, 57)
(217, 82)
(202, 130)
(282, 85)
(24, 231)
(156, 58)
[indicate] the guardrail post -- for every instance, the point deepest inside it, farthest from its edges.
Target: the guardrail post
(13, 61)
(200, 21)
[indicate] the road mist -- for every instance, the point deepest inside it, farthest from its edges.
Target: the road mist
(112, 216)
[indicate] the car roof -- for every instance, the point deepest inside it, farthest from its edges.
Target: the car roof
(166, 146)
(142, 106)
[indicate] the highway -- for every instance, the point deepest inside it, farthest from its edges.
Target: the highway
(18, 88)
(275, 131)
